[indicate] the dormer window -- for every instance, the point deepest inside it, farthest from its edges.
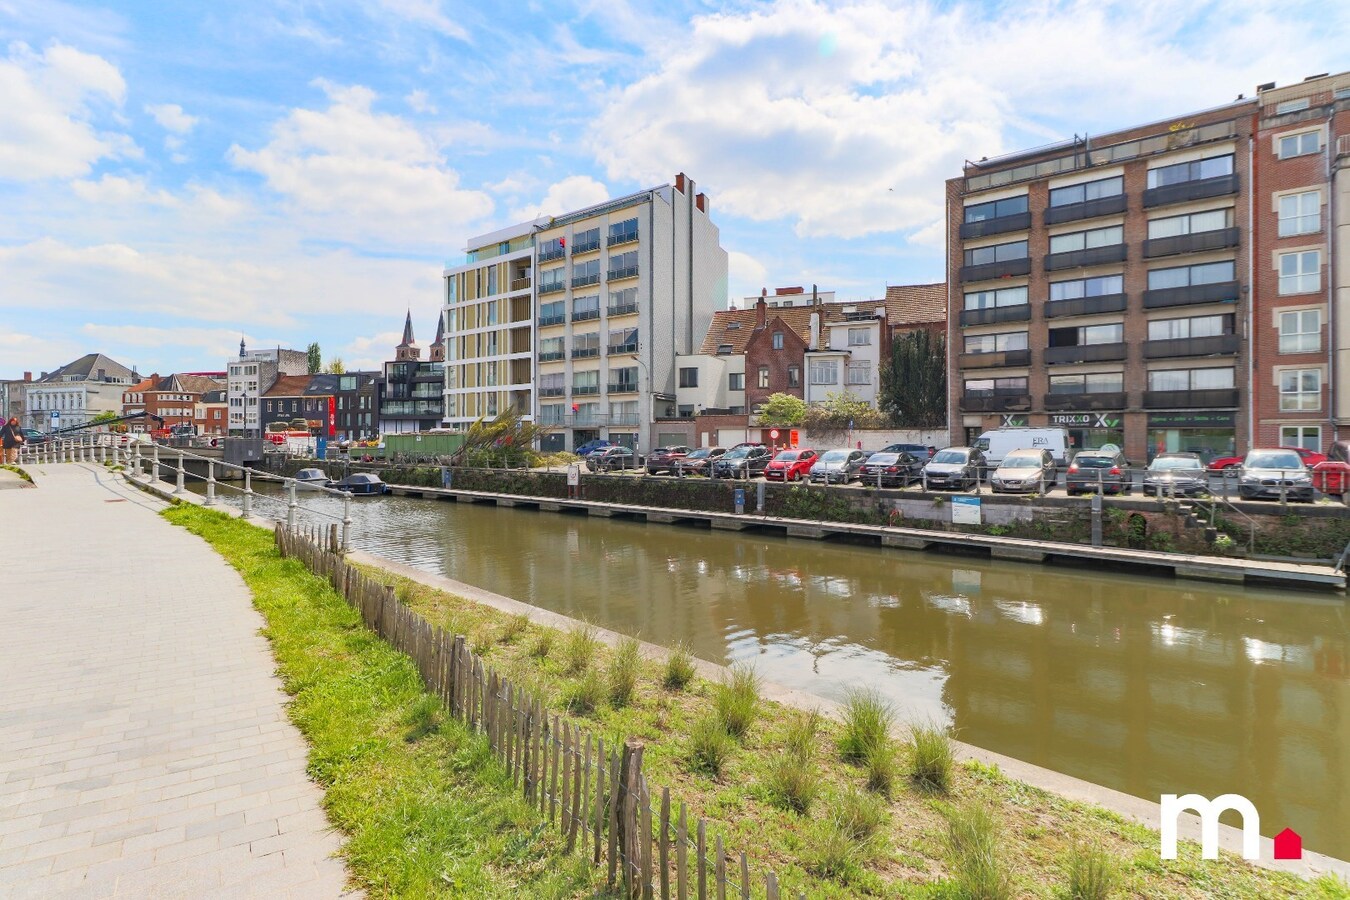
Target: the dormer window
(724, 349)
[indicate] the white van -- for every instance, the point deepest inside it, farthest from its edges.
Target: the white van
(999, 443)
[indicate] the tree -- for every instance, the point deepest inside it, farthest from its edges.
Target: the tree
(315, 359)
(105, 416)
(782, 409)
(336, 366)
(914, 381)
(842, 412)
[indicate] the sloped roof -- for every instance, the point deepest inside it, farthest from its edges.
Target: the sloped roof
(145, 384)
(187, 384)
(289, 386)
(735, 326)
(87, 366)
(916, 304)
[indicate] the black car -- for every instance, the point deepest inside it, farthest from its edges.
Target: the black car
(609, 459)
(32, 437)
(666, 459)
(742, 462)
(699, 462)
(954, 467)
(919, 451)
(1176, 473)
(891, 469)
(1093, 470)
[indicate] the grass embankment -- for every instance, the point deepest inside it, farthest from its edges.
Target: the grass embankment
(840, 809)
(426, 809)
(18, 471)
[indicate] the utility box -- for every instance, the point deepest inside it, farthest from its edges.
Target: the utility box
(1331, 477)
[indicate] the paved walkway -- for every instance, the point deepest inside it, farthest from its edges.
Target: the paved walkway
(144, 748)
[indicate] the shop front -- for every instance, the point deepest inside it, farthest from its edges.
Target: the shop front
(1091, 430)
(1210, 434)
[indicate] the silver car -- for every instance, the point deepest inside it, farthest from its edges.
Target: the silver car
(1265, 473)
(954, 467)
(1024, 470)
(838, 466)
(1176, 473)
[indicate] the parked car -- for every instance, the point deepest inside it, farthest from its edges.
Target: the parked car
(1310, 458)
(1176, 473)
(921, 452)
(891, 469)
(698, 461)
(1265, 472)
(954, 467)
(590, 447)
(1093, 470)
(790, 465)
(744, 461)
(609, 459)
(664, 459)
(1024, 470)
(32, 437)
(840, 466)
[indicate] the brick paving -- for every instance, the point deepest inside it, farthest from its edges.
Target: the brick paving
(144, 747)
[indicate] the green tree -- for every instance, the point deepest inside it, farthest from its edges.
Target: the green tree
(782, 409)
(336, 366)
(105, 416)
(315, 359)
(914, 381)
(840, 412)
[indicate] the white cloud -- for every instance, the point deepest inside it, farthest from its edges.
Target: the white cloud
(747, 276)
(171, 117)
(51, 100)
(130, 191)
(420, 101)
(573, 192)
(371, 352)
(427, 13)
(359, 174)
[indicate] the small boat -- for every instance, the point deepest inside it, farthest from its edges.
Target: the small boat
(311, 479)
(361, 484)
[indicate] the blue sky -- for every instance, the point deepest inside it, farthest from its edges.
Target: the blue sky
(175, 175)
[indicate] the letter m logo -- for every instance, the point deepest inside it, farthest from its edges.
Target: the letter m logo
(1208, 811)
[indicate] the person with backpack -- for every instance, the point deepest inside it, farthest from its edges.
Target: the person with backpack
(11, 439)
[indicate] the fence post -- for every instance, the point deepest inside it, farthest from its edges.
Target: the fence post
(630, 771)
(154, 472)
(290, 503)
(1284, 489)
(346, 521)
(136, 459)
(248, 492)
(178, 483)
(210, 482)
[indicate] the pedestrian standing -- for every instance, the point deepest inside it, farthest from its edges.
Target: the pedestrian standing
(11, 438)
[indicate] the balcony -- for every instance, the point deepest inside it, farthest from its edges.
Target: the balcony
(1208, 399)
(622, 309)
(1086, 306)
(992, 315)
(1003, 269)
(617, 239)
(623, 387)
(1084, 353)
(1084, 402)
(997, 225)
(552, 392)
(1186, 191)
(996, 402)
(1213, 345)
(585, 246)
(1092, 256)
(1192, 295)
(993, 360)
(584, 280)
(625, 272)
(1088, 209)
(552, 288)
(592, 420)
(619, 349)
(520, 284)
(412, 409)
(551, 320)
(578, 389)
(585, 352)
(585, 315)
(552, 356)
(1217, 239)
(555, 253)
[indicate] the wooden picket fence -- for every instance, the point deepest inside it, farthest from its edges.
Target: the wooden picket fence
(596, 795)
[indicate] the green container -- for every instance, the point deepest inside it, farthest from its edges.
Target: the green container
(422, 444)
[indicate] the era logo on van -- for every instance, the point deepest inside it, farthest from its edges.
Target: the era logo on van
(1288, 844)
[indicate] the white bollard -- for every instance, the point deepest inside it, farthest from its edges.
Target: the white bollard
(346, 521)
(178, 486)
(248, 492)
(210, 482)
(290, 504)
(154, 472)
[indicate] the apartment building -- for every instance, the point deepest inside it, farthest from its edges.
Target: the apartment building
(1105, 285)
(252, 375)
(308, 399)
(609, 294)
(77, 392)
(412, 389)
(1301, 327)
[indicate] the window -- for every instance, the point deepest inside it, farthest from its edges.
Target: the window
(1290, 106)
(1195, 223)
(551, 280)
(586, 344)
(794, 376)
(551, 414)
(689, 377)
(996, 209)
(552, 313)
(1086, 335)
(824, 371)
(626, 378)
(551, 384)
(763, 376)
(997, 253)
(859, 337)
(583, 241)
(492, 280)
(1301, 331)
(1309, 437)
(1190, 379)
(586, 273)
(1086, 240)
(1194, 327)
(623, 232)
(778, 340)
(1095, 383)
(1300, 213)
(990, 387)
(996, 343)
(623, 301)
(586, 307)
(1300, 144)
(859, 373)
(623, 340)
(623, 265)
(1300, 390)
(1091, 190)
(550, 348)
(1196, 170)
(1100, 286)
(736, 381)
(989, 299)
(1190, 276)
(587, 382)
(1301, 272)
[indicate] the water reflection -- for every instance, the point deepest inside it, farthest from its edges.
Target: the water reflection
(1145, 685)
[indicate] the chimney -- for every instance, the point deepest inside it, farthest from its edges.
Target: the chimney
(701, 201)
(760, 307)
(27, 376)
(679, 182)
(815, 296)
(815, 332)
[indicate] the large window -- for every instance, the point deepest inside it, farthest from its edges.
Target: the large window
(763, 376)
(689, 377)
(1009, 206)
(778, 340)
(1193, 327)
(551, 384)
(1093, 383)
(859, 337)
(1300, 144)
(552, 313)
(1300, 213)
(586, 307)
(623, 265)
(824, 371)
(587, 344)
(1091, 190)
(587, 382)
(623, 340)
(585, 241)
(1016, 296)
(625, 378)
(859, 373)
(1301, 331)
(623, 232)
(552, 279)
(1099, 286)
(736, 381)
(587, 272)
(1190, 379)
(550, 348)
(996, 343)
(1195, 170)
(623, 301)
(794, 374)
(1086, 240)
(990, 387)
(997, 253)
(1195, 223)
(1086, 335)
(1300, 390)
(1301, 272)
(1309, 437)
(1191, 276)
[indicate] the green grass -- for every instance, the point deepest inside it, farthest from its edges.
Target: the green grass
(709, 746)
(737, 699)
(679, 669)
(426, 809)
(1091, 872)
(975, 854)
(580, 648)
(585, 695)
(868, 719)
(625, 665)
(933, 757)
(792, 782)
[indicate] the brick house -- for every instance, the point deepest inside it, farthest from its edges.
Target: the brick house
(308, 397)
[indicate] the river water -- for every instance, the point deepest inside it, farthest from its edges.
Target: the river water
(1141, 684)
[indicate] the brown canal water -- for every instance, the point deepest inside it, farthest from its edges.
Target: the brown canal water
(1142, 684)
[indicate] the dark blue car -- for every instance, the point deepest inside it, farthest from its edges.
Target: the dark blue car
(591, 446)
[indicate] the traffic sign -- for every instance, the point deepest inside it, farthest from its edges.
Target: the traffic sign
(773, 433)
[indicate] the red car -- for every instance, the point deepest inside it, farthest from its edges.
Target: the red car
(790, 465)
(1310, 458)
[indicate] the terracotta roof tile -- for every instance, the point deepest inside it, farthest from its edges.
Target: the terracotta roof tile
(289, 386)
(916, 304)
(735, 326)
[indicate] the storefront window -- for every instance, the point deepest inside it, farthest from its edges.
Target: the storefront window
(1209, 434)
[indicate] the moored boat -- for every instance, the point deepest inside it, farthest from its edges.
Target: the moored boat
(311, 479)
(361, 484)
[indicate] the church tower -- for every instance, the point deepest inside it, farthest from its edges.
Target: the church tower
(407, 349)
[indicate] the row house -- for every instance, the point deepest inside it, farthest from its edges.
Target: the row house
(211, 411)
(77, 392)
(249, 377)
(296, 399)
(357, 404)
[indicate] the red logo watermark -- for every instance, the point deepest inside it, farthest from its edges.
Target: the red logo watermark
(1288, 843)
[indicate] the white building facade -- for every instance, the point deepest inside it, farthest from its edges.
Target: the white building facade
(77, 393)
(251, 375)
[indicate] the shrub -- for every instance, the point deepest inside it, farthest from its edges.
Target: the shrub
(543, 643)
(515, 627)
(624, 667)
(1091, 871)
(737, 699)
(832, 852)
(868, 718)
(859, 813)
(579, 648)
(792, 782)
(709, 745)
(679, 667)
(974, 858)
(933, 758)
(585, 694)
(882, 765)
(801, 735)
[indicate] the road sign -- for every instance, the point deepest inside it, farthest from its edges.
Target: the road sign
(773, 433)
(56, 419)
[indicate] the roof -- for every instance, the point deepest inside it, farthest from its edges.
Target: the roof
(408, 339)
(290, 386)
(736, 326)
(87, 366)
(916, 304)
(188, 384)
(216, 396)
(145, 384)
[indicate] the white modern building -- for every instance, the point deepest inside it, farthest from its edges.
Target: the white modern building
(77, 392)
(250, 376)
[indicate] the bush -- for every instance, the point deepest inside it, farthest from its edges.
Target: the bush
(792, 782)
(709, 746)
(832, 851)
(585, 694)
(579, 648)
(801, 735)
(515, 627)
(624, 667)
(974, 858)
(859, 813)
(1091, 871)
(868, 718)
(933, 758)
(882, 765)
(737, 699)
(679, 667)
